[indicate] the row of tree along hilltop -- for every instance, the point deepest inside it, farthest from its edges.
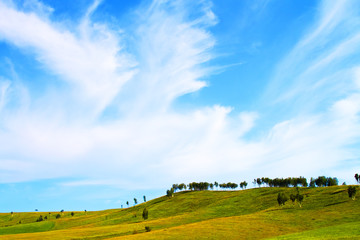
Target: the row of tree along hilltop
(320, 181)
(201, 186)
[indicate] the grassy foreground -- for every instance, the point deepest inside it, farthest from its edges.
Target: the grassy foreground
(326, 213)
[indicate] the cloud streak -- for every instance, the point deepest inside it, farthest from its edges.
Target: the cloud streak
(112, 119)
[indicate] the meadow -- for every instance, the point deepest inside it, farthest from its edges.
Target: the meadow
(326, 213)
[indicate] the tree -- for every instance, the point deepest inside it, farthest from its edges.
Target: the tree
(216, 184)
(57, 216)
(300, 199)
(170, 193)
(357, 177)
(40, 219)
(282, 198)
(135, 201)
(182, 186)
(332, 181)
(321, 181)
(175, 187)
(144, 198)
(292, 197)
(352, 192)
(72, 214)
(127, 203)
(258, 181)
(145, 214)
(312, 182)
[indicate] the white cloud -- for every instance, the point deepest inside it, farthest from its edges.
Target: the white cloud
(93, 63)
(38, 7)
(61, 133)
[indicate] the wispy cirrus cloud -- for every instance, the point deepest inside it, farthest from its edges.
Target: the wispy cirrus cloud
(171, 47)
(316, 86)
(113, 121)
(90, 60)
(313, 69)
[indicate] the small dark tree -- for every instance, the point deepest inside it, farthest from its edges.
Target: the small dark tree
(182, 186)
(312, 182)
(300, 199)
(292, 197)
(332, 181)
(135, 201)
(45, 218)
(321, 181)
(282, 198)
(127, 203)
(40, 219)
(72, 214)
(145, 214)
(57, 216)
(357, 177)
(170, 193)
(144, 198)
(216, 184)
(175, 187)
(352, 192)
(147, 229)
(258, 181)
(243, 184)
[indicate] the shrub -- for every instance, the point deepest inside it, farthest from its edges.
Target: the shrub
(58, 216)
(352, 192)
(292, 197)
(299, 198)
(145, 214)
(39, 219)
(170, 193)
(282, 198)
(147, 229)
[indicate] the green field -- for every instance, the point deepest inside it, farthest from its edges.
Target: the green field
(326, 213)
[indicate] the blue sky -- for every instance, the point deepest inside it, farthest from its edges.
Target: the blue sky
(104, 101)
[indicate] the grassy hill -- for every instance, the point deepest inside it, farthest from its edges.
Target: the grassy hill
(326, 213)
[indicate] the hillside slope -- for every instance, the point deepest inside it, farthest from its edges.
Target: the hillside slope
(326, 213)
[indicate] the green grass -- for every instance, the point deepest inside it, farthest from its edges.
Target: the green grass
(326, 213)
(341, 231)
